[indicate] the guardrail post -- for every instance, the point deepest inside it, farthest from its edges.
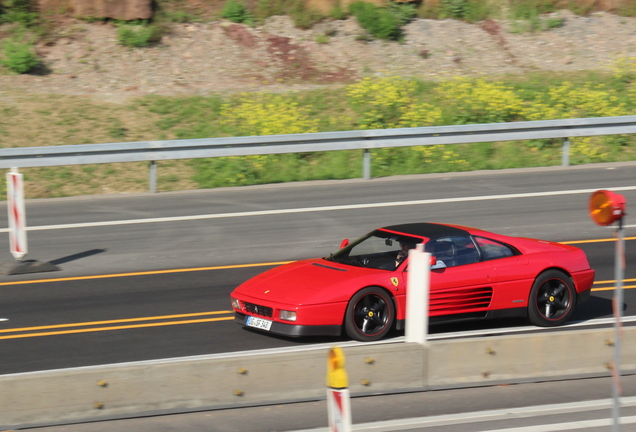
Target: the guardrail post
(366, 164)
(152, 176)
(565, 156)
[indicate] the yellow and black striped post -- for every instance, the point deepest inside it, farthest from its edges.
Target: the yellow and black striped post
(338, 397)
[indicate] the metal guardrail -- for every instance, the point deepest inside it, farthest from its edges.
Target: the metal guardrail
(366, 140)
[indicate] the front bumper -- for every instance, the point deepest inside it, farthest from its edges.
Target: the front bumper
(294, 330)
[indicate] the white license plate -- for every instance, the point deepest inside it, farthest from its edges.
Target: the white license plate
(259, 323)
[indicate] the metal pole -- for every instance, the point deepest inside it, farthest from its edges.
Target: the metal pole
(619, 269)
(366, 164)
(565, 156)
(152, 176)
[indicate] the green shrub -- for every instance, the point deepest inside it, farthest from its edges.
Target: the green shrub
(302, 16)
(23, 17)
(337, 11)
(17, 11)
(138, 35)
(553, 22)
(236, 12)
(380, 22)
(531, 9)
(404, 12)
(19, 57)
(468, 10)
(526, 16)
(480, 10)
(455, 9)
(535, 24)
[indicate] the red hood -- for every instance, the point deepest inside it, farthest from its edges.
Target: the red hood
(306, 282)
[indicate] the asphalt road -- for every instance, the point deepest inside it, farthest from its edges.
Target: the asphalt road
(84, 322)
(274, 223)
(132, 287)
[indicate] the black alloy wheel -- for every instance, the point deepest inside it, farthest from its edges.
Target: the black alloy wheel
(370, 315)
(552, 299)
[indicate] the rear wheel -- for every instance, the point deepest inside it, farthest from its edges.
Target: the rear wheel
(552, 299)
(370, 315)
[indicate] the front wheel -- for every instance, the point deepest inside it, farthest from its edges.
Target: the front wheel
(370, 315)
(552, 299)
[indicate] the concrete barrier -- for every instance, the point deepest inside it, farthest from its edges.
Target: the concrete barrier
(216, 382)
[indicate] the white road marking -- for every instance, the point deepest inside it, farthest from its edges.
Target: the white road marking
(400, 339)
(578, 426)
(322, 209)
(498, 331)
(503, 414)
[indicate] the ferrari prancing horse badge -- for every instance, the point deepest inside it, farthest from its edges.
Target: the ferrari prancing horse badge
(395, 281)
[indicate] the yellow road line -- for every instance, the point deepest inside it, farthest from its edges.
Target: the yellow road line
(237, 266)
(98, 329)
(612, 288)
(595, 241)
(613, 281)
(94, 323)
(145, 273)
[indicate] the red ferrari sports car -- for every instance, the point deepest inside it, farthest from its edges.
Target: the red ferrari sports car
(361, 288)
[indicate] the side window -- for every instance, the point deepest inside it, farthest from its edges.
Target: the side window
(492, 249)
(453, 251)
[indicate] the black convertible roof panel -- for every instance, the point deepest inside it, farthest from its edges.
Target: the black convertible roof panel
(425, 229)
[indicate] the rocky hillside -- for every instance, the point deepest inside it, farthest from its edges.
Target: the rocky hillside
(222, 57)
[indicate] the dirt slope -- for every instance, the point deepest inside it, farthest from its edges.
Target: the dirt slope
(221, 57)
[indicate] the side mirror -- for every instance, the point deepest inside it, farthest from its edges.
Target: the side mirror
(344, 243)
(433, 260)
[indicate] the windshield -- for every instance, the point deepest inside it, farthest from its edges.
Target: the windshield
(378, 250)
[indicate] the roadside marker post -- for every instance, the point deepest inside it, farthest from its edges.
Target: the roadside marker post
(17, 231)
(338, 396)
(417, 295)
(17, 216)
(605, 208)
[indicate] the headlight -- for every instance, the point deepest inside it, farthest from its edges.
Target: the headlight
(236, 304)
(287, 315)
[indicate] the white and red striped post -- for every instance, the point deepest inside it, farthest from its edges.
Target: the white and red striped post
(17, 215)
(338, 397)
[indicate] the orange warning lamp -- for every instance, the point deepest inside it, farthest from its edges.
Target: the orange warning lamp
(606, 207)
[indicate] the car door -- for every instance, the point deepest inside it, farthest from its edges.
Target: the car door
(514, 275)
(462, 285)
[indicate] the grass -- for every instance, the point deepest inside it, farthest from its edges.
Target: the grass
(32, 121)
(29, 121)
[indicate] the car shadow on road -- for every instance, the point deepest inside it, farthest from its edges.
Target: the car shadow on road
(594, 308)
